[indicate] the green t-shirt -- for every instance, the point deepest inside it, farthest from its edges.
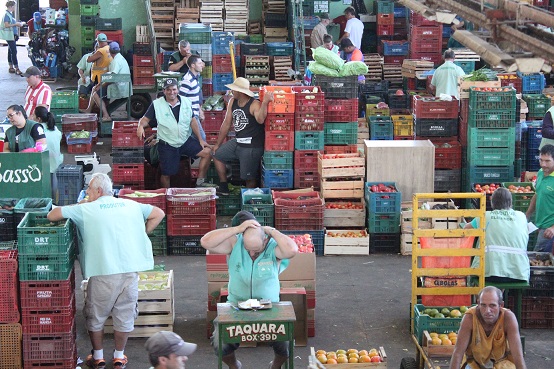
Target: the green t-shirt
(445, 79)
(122, 89)
(544, 215)
(85, 66)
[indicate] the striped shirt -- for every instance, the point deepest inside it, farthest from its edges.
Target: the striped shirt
(40, 95)
(191, 88)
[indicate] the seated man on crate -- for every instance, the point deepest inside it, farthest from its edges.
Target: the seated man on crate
(106, 90)
(176, 123)
(247, 116)
(114, 247)
(178, 60)
(258, 254)
(446, 77)
(505, 239)
(488, 336)
(349, 52)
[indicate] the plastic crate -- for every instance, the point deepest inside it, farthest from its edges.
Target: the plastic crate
(31, 205)
(541, 283)
(492, 101)
(65, 100)
(448, 155)
(312, 121)
(490, 174)
(307, 100)
(374, 87)
(293, 214)
(79, 122)
(424, 322)
(491, 119)
(279, 122)
(341, 110)
(7, 227)
(496, 137)
(283, 99)
(70, 183)
(190, 224)
(124, 134)
(89, 9)
(261, 206)
(534, 137)
(128, 173)
(448, 180)
(536, 313)
(185, 201)
(228, 205)
(252, 49)
(305, 160)
(309, 140)
(532, 83)
(382, 202)
(433, 108)
(381, 128)
(221, 64)
(11, 355)
(279, 141)
(47, 295)
(398, 101)
(307, 179)
(127, 155)
(318, 238)
(337, 87)
(213, 120)
(511, 79)
(108, 24)
(9, 297)
(277, 178)
(278, 160)
(403, 124)
(521, 201)
(341, 149)
(491, 156)
(400, 12)
(538, 105)
(436, 127)
(341, 133)
(158, 200)
(196, 37)
(220, 42)
(279, 48)
(395, 47)
(467, 66)
(186, 245)
(383, 222)
(40, 321)
(143, 61)
(37, 235)
(50, 347)
(46, 267)
(88, 20)
(383, 7)
(219, 80)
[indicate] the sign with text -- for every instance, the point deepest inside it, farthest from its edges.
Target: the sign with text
(256, 332)
(25, 175)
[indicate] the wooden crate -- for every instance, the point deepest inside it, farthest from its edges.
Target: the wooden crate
(444, 223)
(406, 244)
(435, 350)
(345, 245)
(381, 365)
(275, 32)
(341, 165)
(344, 217)
(353, 189)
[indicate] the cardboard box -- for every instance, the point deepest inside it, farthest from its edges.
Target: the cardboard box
(214, 293)
(216, 267)
(311, 322)
(301, 267)
(308, 285)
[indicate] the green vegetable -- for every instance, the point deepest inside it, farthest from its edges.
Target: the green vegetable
(483, 74)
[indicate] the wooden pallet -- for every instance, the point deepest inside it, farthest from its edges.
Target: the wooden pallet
(254, 27)
(275, 31)
(466, 55)
(411, 66)
(281, 66)
(373, 62)
(187, 3)
(237, 27)
(393, 74)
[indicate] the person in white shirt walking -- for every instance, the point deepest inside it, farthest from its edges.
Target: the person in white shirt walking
(354, 28)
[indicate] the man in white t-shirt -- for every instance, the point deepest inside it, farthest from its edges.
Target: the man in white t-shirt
(354, 28)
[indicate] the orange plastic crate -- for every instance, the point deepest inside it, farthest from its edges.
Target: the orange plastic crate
(283, 99)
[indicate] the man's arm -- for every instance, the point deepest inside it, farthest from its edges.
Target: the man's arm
(222, 240)
(196, 131)
(547, 126)
(177, 65)
(155, 218)
(511, 329)
(286, 247)
(464, 335)
(531, 209)
(260, 112)
(55, 214)
(94, 57)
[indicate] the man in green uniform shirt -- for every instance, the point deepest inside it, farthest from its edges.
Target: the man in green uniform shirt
(445, 79)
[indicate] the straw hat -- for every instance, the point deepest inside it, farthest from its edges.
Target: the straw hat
(241, 85)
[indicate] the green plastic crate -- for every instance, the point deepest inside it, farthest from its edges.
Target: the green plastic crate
(492, 119)
(532, 241)
(229, 205)
(489, 174)
(46, 267)
(65, 100)
(520, 201)
(256, 39)
(494, 137)
(538, 104)
(159, 239)
(341, 133)
(309, 140)
(492, 100)
(196, 37)
(491, 156)
(261, 205)
(424, 322)
(383, 222)
(278, 160)
(105, 129)
(383, 7)
(90, 9)
(468, 66)
(37, 235)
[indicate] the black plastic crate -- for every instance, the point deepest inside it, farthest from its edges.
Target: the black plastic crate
(7, 227)
(88, 20)
(252, 49)
(398, 101)
(141, 48)
(337, 87)
(374, 87)
(384, 243)
(185, 245)
(448, 180)
(70, 183)
(88, 2)
(274, 19)
(436, 127)
(127, 155)
(108, 24)
(541, 283)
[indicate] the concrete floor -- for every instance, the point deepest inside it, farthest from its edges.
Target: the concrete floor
(362, 302)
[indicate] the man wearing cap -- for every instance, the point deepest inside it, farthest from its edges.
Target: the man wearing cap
(349, 52)
(258, 254)
(354, 28)
(35, 24)
(101, 59)
(38, 93)
(107, 90)
(176, 123)
(319, 31)
(247, 116)
(167, 350)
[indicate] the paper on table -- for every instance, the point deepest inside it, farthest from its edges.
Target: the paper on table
(531, 227)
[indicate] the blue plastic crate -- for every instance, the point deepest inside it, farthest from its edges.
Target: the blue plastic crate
(279, 48)
(446, 31)
(534, 137)
(277, 178)
(220, 42)
(382, 202)
(318, 239)
(70, 183)
(219, 80)
(395, 47)
(400, 12)
(532, 83)
(310, 22)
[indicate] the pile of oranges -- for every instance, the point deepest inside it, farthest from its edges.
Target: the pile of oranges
(351, 356)
(443, 339)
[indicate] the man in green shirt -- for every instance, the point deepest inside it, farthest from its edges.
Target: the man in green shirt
(542, 203)
(445, 79)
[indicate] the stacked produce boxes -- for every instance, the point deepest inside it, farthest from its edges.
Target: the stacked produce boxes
(143, 69)
(260, 203)
(47, 284)
(221, 60)
(128, 155)
(385, 21)
(64, 102)
(89, 10)
(383, 216)
(425, 38)
(10, 329)
(8, 225)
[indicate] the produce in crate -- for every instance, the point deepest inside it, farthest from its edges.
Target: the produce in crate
(443, 338)
(445, 312)
(350, 234)
(351, 356)
(343, 205)
(80, 134)
(520, 189)
(382, 188)
(488, 189)
(304, 242)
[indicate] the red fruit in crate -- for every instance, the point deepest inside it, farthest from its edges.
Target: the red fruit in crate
(399, 93)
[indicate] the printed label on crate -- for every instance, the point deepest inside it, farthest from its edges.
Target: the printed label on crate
(45, 320)
(444, 282)
(44, 294)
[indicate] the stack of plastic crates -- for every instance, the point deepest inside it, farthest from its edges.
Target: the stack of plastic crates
(70, 183)
(47, 284)
(385, 21)
(128, 155)
(200, 38)
(8, 231)
(259, 202)
(425, 38)
(491, 136)
(10, 329)
(231, 204)
(383, 202)
(221, 60)
(533, 137)
(532, 83)
(298, 211)
(89, 10)
(26, 205)
(79, 124)
(63, 102)
(191, 213)
(538, 105)
(155, 198)
(448, 164)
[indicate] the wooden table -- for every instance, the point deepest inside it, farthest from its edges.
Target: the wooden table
(275, 324)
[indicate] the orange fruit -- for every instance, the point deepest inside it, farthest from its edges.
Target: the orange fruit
(446, 342)
(353, 360)
(452, 335)
(436, 341)
(362, 352)
(331, 361)
(433, 334)
(320, 352)
(350, 351)
(331, 355)
(341, 352)
(454, 340)
(342, 360)
(353, 354)
(364, 359)
(322, 359)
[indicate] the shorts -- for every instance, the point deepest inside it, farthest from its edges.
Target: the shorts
(543, 244)
(248, 157)
(170, 156)
(280, 348)
(103, 92)
(115, 294)
(85, 90)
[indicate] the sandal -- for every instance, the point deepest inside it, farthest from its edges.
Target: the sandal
(11, 70)
(18, 72)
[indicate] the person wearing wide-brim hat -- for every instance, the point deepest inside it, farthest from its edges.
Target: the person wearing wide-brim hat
(247, 115)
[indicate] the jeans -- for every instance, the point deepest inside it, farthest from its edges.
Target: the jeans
(543, 244)
(12, 54)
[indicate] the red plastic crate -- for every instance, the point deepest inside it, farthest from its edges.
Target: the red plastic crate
(537, 312)
(9, 297)
(279, 141)
(213, 120)
(341, 110)
(309, 121)
(80, 148)
(190, 225)
(140, 61)
(307, 100)
(422, 32)
(295, 200)
(158, 201)
(143, 72)
(385, 19)
(51, 347)
(185, 201)
(128, 173)
(207, 89)
(427, 45)
(434, 58)
(283, 101)
(279, 122)
(447, 157)
(211, 137)
(341, 149)
(144, 81)
(116, 36)
(38, 295)
(126, 137)
(221, 64)
(90, 126)
(307, 179)
(433, 108)
(292, 213)
(60, 320)
(507, 79)
(385, 29)
(419, 20)
(541, 3)
(305, 160)
(50, 364)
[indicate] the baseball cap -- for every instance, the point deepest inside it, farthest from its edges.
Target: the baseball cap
(324, 16)
(102, 37)
(37, 16)
(241, 217)
(114, 46)
(170, 82)
(345, 42)
(32, 71)
(165, 343)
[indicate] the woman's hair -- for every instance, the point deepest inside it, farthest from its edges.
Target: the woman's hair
(501, 199)
(10, 3)
(20, 109)
(45, 117)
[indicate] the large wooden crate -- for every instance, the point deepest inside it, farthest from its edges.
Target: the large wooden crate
(341, 217)
(353, 189)
(436, 350)
(341, 165)
(346, 245)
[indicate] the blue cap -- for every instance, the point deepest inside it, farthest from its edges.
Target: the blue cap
(37, 16)
(114, 46)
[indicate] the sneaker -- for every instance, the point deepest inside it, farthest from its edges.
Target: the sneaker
(206, 185)
(120, 363)
(221, 192)
(11, 70)
(95, 364)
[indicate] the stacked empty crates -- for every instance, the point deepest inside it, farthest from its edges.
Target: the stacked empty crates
(221, 60)
(200, 38)
(309, 118)
(112, 28)
(70, 183)
(143, 67)
(128, 155)
(279, 136)
(78, 123)
(10, 329)
(400, 26)
(259, 202)
(89, 12)
(155, 198)
(47, 285)
(63, 102)
(383, 216)
(491, 136)
(425, 38)
(394, 54)
(385, 22)
(8, 226)
(191, 213)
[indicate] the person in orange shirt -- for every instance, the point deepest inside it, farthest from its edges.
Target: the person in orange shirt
(101, 60)
(349, 52)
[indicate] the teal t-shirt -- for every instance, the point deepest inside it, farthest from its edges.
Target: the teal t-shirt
(253, 279)
(85, 66)
(506, 238)
(544, 215)
(113, 236)
(445, 79)
(122, 89)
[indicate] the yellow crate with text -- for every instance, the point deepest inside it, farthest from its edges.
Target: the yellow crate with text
(339, 189)
(346, 242)
(341, 165)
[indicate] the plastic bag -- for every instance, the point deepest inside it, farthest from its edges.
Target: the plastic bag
(318, 68)
(353, 68)
(327, 58)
